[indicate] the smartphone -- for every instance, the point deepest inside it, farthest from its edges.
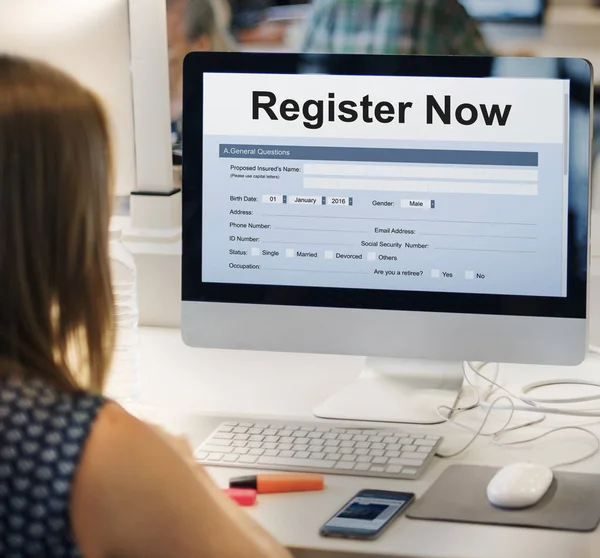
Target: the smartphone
(367, 514)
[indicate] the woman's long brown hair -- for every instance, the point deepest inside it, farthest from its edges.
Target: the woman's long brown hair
(56, 303)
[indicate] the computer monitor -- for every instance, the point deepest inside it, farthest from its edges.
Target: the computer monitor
(118, 49)
(89, 40)
(418, 211)
(510, 11)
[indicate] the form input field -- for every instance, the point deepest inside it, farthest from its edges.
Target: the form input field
(391, 185)
(437, 172)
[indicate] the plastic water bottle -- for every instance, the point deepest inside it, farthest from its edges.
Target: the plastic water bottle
(124, 381)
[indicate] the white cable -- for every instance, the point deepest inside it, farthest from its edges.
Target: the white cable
(506, 427)
(478, 432)
(554, 431)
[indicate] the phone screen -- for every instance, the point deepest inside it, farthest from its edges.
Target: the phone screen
(367, 513)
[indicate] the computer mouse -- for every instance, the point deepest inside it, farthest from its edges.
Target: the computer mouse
(519, 485)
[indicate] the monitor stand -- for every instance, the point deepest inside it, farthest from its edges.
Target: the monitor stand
(397, 390)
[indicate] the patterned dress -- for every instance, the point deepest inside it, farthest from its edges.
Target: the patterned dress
(42, 434)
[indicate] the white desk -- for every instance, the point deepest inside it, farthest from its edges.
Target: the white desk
(180, 383)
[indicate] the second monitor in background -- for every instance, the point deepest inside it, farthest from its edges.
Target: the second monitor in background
(416, 211)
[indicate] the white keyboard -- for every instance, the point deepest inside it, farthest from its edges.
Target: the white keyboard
(370, 452)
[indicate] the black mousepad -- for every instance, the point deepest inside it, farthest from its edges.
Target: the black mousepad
(571, 504)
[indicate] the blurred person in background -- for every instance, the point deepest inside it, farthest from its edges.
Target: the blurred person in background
(250, 24)
(392, 27)
(193, 25)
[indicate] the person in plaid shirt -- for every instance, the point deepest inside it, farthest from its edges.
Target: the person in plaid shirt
(392, 27)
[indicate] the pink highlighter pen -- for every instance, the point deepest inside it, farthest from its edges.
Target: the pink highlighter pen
(243, 496)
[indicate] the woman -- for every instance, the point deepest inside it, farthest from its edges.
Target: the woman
(78, 475)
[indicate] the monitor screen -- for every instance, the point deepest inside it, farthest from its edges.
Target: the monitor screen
(395, 183)
(505, 10)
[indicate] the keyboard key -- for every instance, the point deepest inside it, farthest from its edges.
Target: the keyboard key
(269, 445)
(346, 451)
(285, 432)
(214, 457)
(316, 455)
(219, 442)
(390, 440)
(361, 451)
(231, 458)
(240, 430)
(270, 432)
(379, 460)
(377, 468)
(362, 445)
(303, 463)
(344, 465)
(256, 451)
(239, 444)
(333, 456)
(409, 448)
(360, 438)
(375, 439)
(345, 437)
(256, 438)
(332, 443)
(249, 459)
(349, 457)
(405, 441)
(392, 454)
(201, 455)
(315, 434)
(329, 436)
(424, 449)
(394, 447)
(241, 451)
(272, 439)
(405, 462)
(436, 438)
(287, 439)
(302, 454)
(308, 428)
(429, 443)
(394, 469)
(417, 436)
(364, 459)
(254, 445)
(255, 431)
(316, 442)
(362, 467)
(409, 471)
(413, 455)
(347, 444)
(299, 434)
(217, 449)
(246, 424)
(272, 453)
(378, 446)
(223, 436)
(286, 453)
(227, 428)
(376, 453)
(284, 447)
(304, 447)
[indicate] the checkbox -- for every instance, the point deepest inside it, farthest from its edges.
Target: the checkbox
(470, 275)
(255, 251)
(435, 273)
(328, 255)
(289, 252)
(371, 256)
